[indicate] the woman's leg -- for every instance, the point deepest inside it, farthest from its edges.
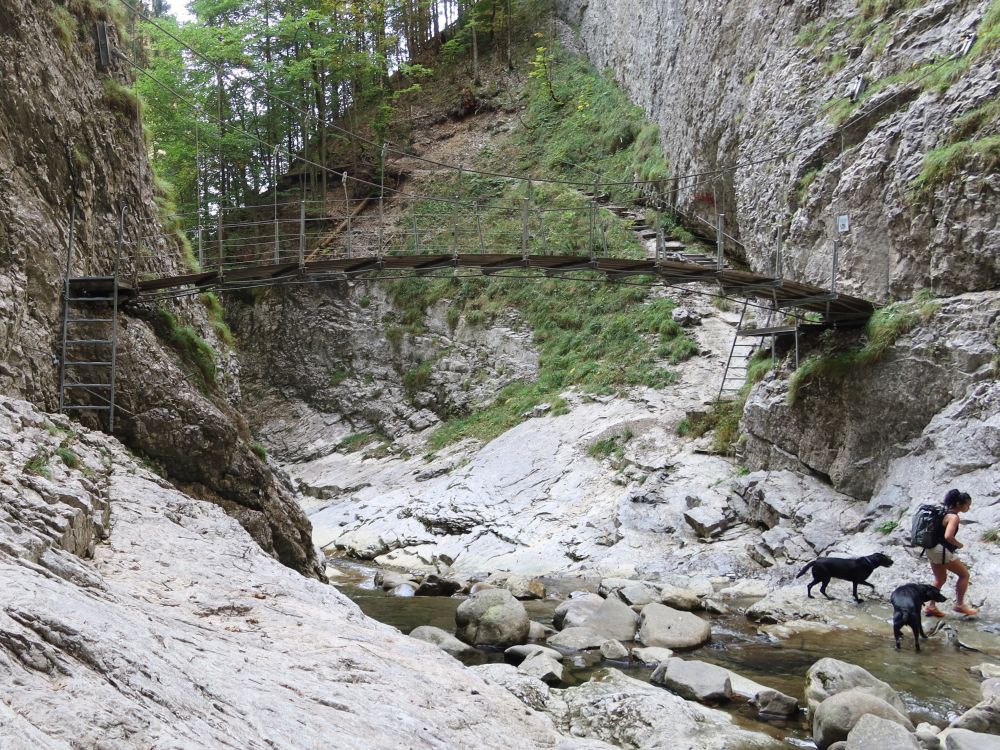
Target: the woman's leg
(958, 568)
(940, 577)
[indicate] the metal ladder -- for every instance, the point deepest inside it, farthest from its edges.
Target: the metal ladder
(735, 375)
(88, 366)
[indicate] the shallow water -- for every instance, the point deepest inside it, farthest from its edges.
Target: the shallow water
(935, 684)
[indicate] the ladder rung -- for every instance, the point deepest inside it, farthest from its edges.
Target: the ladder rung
(88, 341)
(69, 363)
(90, 278)
(87, 385)
(89, 320)
(86, 408)
(90, 299)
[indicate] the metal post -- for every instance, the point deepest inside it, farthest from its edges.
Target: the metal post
(197, 192)
(381, 219)
(525, 208)
(455, 214)
(69, 271)
(347, 205)
(833, 270)
(541, 226)
(777, 255)
(719, 241)
(222, 168)
(274, 188)
(659, 243)
(302, 231)
(114, 319)
(479, 227)
(593, 223)
(381, 199)
(604, 239)
(416, 236)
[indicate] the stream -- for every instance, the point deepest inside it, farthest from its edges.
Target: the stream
(935, 684)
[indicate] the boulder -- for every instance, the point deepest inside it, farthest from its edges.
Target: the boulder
(539, 632)
(660, 625)
(715, 607)
(829, 676)
(651, 655)
(573, 612)
(442, 639)
(614, 619)
(614, 651)
(404, 590)
(577, 639)
(492, 618)
(523, 587)
(685, 316)
(387, 580)
(434, 585)
(516, 654)
(694, 680)
(983, 717)
(794, 628)
(638, 594)
(706, 521)
(986, 670)
(679, 598)
(836, 716)
(871, 732)
(990, 688)
(963, 739)
(544, 667)
(772, 704)
(927, 736)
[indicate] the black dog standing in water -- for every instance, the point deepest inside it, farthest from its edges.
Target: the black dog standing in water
(907, 601)
(853, 569)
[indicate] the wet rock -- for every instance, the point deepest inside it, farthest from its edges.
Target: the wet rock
(638, 594)
(492, 618)
(539, 632)
(574, 611)
(630, 713)
(523, 587)
(577, 639)
(614, 651)
(983, 717)
(516, 654)
(927, 736)
(480, 586)
(442, 639)
(986, 670)
(746, 589)
(651, 655)
(836, 716)
(828, 677)
(774, 704)
(694, 680)
(964, 739)
(387, 580)
(990, 688)
(544, 667)
(613, 619)
(679, 598)
(715, 607)
(434, 585)
(660, 625)
(874, 732)
(795, 628)
(404, 590)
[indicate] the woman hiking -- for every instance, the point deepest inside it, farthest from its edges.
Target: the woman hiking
(943, 558)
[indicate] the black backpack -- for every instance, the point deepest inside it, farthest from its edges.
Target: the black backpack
(927, 529)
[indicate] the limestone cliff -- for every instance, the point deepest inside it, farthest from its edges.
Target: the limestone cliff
(70, 133)
(754, 97)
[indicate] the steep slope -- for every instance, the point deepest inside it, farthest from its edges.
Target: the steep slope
(70, 134)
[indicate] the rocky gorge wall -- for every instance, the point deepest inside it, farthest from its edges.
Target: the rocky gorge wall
(70, 133)
(748, 95)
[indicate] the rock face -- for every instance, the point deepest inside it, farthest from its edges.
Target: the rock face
(492, 618)
(138, 616)
(930, 400)
(763, 80)
(63, 141)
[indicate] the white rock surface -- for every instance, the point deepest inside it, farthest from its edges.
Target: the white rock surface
(181, 632)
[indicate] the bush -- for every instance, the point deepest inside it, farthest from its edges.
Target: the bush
(121, 99)
(191, 347)
(259, 450)
(68, 457)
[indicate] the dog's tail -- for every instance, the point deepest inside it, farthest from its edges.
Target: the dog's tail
(803, 571)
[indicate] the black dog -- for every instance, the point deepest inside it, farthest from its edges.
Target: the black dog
(853, 569)
(907, 601)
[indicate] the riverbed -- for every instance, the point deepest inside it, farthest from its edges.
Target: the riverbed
(936, 684)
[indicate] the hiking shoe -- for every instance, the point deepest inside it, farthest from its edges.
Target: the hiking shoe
(968, 611)
(929, 612)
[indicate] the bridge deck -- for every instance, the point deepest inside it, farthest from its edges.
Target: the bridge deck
(834, 308)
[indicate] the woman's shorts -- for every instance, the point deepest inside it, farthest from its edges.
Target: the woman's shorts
(939, 555)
